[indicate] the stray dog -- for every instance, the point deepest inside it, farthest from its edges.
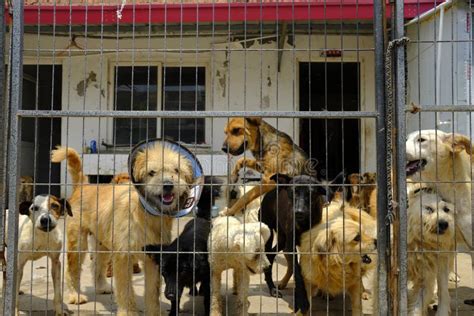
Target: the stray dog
(430, 230)
(354, 180)
(26, 189)
(238, 246)
(335, 255)
(39, 237)
(233, 193)
(121, 178)
(184, 262)
(291, 209)
(114, 215)
(273, 150)
(364, 192)
(435, 156)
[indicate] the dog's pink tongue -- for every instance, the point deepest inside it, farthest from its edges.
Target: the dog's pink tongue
(167, 198)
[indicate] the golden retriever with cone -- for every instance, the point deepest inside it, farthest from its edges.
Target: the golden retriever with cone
(114, 215)
(273, 150)
(335, 256)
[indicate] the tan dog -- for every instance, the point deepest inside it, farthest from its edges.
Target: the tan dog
(238, 246)
(273, 150)
(336, 255)
(354, 180)
(364, 192)
(121, 178)
(114, 215)
(430, 232)
(26, 189)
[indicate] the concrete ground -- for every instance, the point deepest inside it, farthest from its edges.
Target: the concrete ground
(38, 296)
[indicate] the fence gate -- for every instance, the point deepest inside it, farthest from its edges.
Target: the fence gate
(256, 153)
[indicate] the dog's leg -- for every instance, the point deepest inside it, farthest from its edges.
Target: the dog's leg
(300, 296)
(355, 293)
(249, 196)
(243, 162)
(216, 304)
(75, 258)
(242, 297)
(21, 265)
(152, 287)
(56, 275)
(237, 276)
(271, 254)
(124, 293)
(101, 262)
(205, 289)
(289, 271)
(444, 300)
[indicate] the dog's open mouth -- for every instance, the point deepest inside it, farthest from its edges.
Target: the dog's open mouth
(366, 259)
(415, 166)
(167, 198)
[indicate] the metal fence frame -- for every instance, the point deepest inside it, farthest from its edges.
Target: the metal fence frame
(390, 302)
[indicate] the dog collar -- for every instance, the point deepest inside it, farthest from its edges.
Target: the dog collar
(198, 175)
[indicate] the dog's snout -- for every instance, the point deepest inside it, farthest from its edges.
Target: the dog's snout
(225, 148)
(168, 186)
(170, 295)
(45, 221)
(442, 226)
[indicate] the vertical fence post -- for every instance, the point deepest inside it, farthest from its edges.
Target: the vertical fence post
(383, 231)
(16, 82)
(399, 176)
(3, 130)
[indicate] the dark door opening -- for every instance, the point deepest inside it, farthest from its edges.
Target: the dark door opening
(334, 143)
(42, 91)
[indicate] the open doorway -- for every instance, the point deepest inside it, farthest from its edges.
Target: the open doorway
(334, 144)
(41, 91)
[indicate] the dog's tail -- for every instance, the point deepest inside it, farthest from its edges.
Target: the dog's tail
(74, 163)
(212, 190)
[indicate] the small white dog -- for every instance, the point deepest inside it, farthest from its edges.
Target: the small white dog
(238, 246)
(430, 232)
(234, 192)
(39, 236)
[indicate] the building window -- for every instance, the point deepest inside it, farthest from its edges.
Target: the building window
(135, 90)
(184, 89)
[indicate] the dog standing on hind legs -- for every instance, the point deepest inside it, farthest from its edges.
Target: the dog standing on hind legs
(273, 150)
(116, 218)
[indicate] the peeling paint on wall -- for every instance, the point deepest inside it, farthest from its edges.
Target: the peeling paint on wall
(266, 101)
(84, 84)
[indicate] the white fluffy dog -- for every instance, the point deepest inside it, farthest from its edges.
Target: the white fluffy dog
(238, 246)
(430, 232)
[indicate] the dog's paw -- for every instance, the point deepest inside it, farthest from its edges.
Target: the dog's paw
(282, 286)
(77, 299)
(454, 277)
(106, 289)
(276, 293)
(301, 304)
(62, 313)
(224, 212)
(366, 295)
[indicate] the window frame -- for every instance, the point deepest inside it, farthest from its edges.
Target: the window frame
(159, 65)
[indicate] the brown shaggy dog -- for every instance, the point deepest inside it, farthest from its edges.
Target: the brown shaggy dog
(273, 150)
(334, 257)
(26, 189)
(115, 217)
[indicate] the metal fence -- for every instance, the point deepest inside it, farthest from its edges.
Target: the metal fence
(325, 96)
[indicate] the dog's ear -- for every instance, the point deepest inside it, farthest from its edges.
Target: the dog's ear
(25, 208)
(458, 143)
(65, 207)
(139, 167)
(254, 120)
(280, 178)
(265, 232)
(324, 242)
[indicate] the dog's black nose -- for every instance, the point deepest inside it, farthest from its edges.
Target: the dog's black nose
(170, 296)
(45, 221)
(168, 186)
(225, 148)
(233, 194)
(442, 226)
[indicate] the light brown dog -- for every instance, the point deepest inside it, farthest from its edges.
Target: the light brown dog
(364, 192)
(273, 150)
(336, 254)
(121, 178)
(26, 189)
(115, 217)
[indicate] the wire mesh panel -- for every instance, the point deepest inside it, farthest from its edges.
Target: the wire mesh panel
(211, 157)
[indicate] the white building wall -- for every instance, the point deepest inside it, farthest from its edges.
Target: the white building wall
(454, 73)
(236, 79)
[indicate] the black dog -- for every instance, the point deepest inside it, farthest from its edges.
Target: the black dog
(291, 209)
(184, 263)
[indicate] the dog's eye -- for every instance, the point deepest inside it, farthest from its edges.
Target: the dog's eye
(54, 206)
(429, 209)
(446, 209)
(236, 130)
(34, 208)
(151, 173)
(357, 238)
(421, 140)
(176, 170)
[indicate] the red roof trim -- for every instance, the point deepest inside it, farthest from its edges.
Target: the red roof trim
(219, 13)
